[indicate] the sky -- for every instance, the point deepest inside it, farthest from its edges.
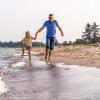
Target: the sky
(19, 16)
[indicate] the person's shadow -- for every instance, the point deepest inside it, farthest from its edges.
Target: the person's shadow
(55, 82)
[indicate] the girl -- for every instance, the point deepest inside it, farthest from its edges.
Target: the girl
(26, 43)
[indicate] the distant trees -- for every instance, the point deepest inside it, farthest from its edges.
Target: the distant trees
(91, 33)
(56, 42)
(9, 44)
(65, 43)
(39, 44)
(16, 44)
(87, 33)
(80, 41)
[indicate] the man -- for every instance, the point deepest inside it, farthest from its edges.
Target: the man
(51, 25)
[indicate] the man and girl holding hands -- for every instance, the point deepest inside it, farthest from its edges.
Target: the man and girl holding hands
(51, 24)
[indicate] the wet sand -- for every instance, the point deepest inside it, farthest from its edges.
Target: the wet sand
(53, 81)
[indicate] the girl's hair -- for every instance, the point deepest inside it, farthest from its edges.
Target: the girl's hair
(27, 34)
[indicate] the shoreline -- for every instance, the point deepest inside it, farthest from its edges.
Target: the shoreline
(88, 56)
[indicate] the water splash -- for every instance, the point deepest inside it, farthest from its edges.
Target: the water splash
(3, 88)
(18, 64)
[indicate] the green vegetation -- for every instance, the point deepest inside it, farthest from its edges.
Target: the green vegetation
(91, 34)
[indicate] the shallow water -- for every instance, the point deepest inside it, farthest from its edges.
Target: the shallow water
(53, 81)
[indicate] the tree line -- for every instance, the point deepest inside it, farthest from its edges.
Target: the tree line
(16, 44)
(91, 34)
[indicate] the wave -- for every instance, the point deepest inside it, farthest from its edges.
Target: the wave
(18, 64)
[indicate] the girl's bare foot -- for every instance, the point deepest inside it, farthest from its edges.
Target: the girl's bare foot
(30, 64)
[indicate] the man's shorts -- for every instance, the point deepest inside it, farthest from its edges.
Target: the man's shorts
(50, 41)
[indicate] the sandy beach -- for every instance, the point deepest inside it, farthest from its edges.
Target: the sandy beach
(74, 55)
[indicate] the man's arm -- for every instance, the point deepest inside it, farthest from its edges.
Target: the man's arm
(62, 34)
(38, 31)
(57, 24)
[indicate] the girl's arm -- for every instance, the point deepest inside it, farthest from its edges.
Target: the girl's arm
(20, 43)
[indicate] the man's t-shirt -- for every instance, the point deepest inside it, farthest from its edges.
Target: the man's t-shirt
(51, 28)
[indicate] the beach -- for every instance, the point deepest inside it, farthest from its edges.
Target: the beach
(74, 55)
(59, 80)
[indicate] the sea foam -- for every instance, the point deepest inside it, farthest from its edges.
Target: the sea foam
(3, 88)
(18, 64)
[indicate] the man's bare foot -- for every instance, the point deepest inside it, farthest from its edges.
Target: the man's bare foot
(45, 57)
(48, 62)
(22, 56)
(49, 59)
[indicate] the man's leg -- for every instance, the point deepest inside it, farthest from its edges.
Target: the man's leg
(47, 47)
(46, 53)
(29, 53)
(50, 52)
(52, 40)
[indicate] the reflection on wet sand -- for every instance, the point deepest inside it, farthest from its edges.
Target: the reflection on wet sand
(56, 83)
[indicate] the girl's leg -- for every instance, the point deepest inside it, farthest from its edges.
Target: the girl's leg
(29, 53)
(23, 52)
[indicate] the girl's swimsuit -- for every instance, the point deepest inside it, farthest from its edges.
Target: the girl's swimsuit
(27, 43)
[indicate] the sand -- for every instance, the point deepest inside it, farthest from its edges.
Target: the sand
(74, 55)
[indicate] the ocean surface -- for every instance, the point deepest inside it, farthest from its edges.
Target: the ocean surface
(45, 81)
